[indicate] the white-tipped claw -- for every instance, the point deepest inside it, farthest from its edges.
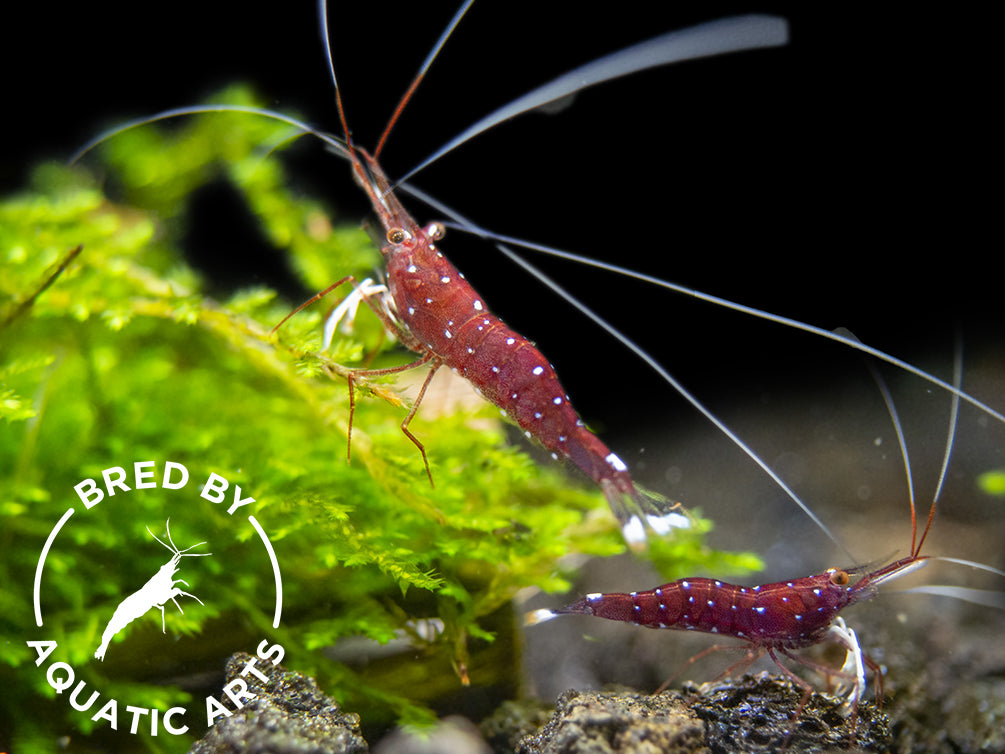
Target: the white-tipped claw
(345, 312)
(852, 679)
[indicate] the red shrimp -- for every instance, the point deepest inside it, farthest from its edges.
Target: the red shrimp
(780, 617)
(435, 312)
(773, 618)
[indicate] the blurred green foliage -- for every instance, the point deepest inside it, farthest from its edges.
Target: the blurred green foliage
(115, 354)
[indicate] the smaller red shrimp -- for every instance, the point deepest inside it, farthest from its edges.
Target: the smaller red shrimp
(773, 618)
(779, 617)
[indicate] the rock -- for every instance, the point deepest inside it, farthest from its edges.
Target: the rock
(752, 715)
(289, 714)
(505, 727)
(625, 722)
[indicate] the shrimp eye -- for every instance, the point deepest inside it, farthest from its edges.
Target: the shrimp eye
(435, 231)
(840, 578)
(397, 236)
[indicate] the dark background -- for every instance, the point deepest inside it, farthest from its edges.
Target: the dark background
(842, 180)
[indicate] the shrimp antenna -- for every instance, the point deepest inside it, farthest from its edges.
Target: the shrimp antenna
(326, 39)
(726, 35)
(327, 43)
(834, 335)
(336, 145)
(407, 96)
(954, 413)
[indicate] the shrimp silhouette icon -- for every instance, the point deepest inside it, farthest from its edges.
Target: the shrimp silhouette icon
(160, 588)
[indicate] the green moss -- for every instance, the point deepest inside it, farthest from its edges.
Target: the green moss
(115, 354)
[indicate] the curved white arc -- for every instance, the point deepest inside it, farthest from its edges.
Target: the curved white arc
(275, 570)
(333, 142)
(37, 588)
(704, 40)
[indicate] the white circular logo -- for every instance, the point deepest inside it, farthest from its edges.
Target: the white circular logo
(186, 578)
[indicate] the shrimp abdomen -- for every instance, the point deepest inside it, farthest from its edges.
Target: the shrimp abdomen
(785, 614)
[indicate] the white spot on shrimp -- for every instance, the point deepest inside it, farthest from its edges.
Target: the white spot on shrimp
(538, 415)
(594, 597)
(658, 592)
(690, 600)
(717, 583)
(485, 322)
(495, 370)
(663, 606)
(510, 341)
(785, 599)
(429, 300)
(478, 304)
(445, 279)
(562, 438)
(616, 462)
(740, 633)
(412, 268)
(411, 310)
(760, 610)
(789, 584)
(756, 589)
(798, 617)
(514, 396)
(710, 603)
(554, 456)
(685, 585)
(558, 402)
(529, 435)
(439, 254)
(713, 630)
(461, 276)
(537, 370)
(447, 334)
(471, 350)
